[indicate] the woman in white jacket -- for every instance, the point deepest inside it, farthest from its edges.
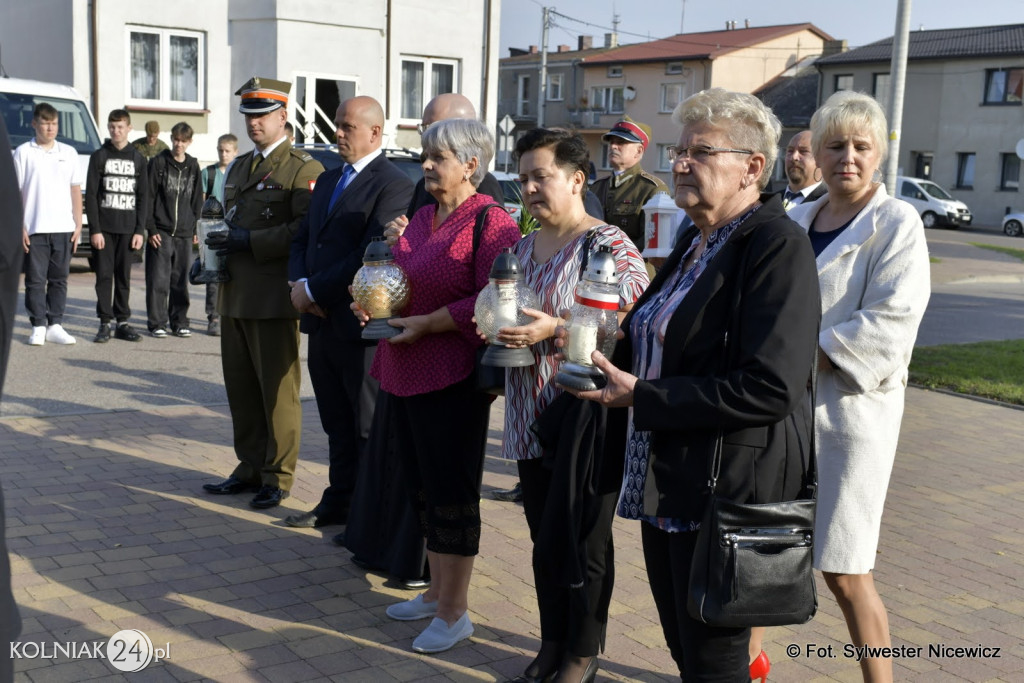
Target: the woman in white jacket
(873, 271)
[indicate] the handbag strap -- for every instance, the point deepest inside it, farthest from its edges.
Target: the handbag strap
(714, 468)
(478, 228)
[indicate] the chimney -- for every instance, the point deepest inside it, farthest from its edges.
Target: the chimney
(611, 40)
(746, 23)
(733, 25)
(833, 47)
(564, 48)
(533, 49)
(586, 42)
(726, 24)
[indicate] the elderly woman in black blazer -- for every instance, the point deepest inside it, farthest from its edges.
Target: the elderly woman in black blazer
(722, 342)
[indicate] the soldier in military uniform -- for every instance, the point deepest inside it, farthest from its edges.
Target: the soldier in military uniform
(624, 193)
(266, 194)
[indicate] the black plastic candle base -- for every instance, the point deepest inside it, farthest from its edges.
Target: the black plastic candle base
(379, 329)
(504, 357)
(580, 377)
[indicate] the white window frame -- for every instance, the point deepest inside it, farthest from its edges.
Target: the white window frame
(164, 100)
(426, 88)
(555, 87)
(665, 88)
(523, 96)
(674, 68)
(604, 157)
(664, 163)
(602, 95)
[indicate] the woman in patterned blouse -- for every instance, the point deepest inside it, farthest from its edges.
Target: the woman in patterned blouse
(553, 168)
(719, 347)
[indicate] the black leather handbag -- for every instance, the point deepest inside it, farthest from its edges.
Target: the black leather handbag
(489, 378)
(752, 563)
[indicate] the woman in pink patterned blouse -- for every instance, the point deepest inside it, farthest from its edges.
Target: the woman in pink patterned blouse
(553, 168)
(440, 420)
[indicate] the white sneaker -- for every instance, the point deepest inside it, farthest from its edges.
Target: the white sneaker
(58, 335)
(439, 636)
(411, 610)
(38, 336)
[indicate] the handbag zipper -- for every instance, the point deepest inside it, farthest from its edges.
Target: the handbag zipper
(796, 540)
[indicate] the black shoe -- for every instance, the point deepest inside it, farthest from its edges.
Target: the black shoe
(512, 495)
(268, 497)
(230, 485)
(415, 584)
(125, 332)
(338, 539)
(103, 334)
(213, 327)
(311, 519)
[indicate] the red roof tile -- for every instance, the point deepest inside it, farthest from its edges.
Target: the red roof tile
(706, 45)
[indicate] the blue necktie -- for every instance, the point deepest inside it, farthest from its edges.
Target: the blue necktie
(790, 198)
(346, 178)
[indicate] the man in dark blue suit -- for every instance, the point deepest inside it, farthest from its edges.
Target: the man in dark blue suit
(350, 205)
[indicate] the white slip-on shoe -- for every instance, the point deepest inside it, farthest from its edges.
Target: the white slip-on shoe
(439, 636)
(37, 337)
(58, 335)
(411, 610)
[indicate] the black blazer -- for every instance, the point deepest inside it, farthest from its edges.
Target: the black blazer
(328, 246)
(737, 358)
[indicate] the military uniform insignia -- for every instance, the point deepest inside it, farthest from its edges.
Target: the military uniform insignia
(266, 214)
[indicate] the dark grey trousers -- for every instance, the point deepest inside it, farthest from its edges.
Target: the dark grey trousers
(167, 282)
(47, 265)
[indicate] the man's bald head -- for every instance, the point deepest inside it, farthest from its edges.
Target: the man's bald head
(450, 105)
(359, 123)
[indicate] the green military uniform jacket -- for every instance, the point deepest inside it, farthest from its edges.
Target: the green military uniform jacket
(150, 151)
(623, 197)
(270, 203)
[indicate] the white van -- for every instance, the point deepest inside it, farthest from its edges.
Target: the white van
(77, 128)
(936, 206)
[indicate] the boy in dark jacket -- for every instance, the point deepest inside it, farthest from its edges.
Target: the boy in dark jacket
(177, 201)
(116, 204)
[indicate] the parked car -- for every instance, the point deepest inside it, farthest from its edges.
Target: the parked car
(936, 206)
(76, 127)
(512, 192)
(1013, 224)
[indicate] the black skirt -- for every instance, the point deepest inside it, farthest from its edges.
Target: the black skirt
(383, 529)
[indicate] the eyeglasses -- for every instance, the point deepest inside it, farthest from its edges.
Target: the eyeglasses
(700, 153)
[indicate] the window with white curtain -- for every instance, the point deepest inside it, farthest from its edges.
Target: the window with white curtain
(417, 90)
(167, 67)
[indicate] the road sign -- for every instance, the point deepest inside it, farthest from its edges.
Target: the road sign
(506, 125)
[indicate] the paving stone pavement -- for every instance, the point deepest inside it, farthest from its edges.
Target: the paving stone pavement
(108, 530)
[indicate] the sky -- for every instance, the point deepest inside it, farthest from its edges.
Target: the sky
(859, 23)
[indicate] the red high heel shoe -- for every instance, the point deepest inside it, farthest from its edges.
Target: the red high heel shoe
(760, 667)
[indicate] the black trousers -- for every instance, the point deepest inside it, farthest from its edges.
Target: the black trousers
(47, 265)
(560, 619)
(345, 397)
(441, 438)
(114, 278)
(167, 282)
(702, 653)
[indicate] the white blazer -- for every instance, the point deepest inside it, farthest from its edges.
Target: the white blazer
(875, 284)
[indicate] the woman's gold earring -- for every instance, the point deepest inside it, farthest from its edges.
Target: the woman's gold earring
(817, 175)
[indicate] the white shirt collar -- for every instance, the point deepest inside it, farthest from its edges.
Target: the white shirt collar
(270, 148)
(360, 164)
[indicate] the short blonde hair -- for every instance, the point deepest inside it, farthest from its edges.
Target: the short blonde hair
(852, 113)
(747, 121)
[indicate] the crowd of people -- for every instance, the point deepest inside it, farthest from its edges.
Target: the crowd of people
(719, 348)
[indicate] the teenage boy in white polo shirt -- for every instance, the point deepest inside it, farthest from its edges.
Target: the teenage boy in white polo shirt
(51, 192)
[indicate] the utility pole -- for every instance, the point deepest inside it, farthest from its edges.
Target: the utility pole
(898, 81)
(682, 17)
(543, 99)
